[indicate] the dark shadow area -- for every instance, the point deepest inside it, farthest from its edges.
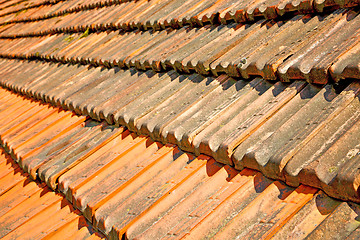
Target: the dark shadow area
(196, 78)
(149, 142)
(212, 167)
(279, 87)
(240, 84)
(134, 72)
(329, 93)
(261, 182)
(90, 123)
(232, 172)
(180, 78)
(64, 203)
(209, 80)
(285, 191)
(262, 87)
(44, 188)
(325, 204)
(124, 134)
(309, 91)
(356, 208)
(177, 153)
(342, 84)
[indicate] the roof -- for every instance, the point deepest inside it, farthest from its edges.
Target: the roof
(130, 94)
(310, 47)
(31, 210)
(128, 184)
(291, 132)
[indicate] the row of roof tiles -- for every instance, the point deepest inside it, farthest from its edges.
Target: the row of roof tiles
(30, 210)
(304, 47)
(131, 186)
(157, 14)
(292, 132)
(15, 7)
(49, 9)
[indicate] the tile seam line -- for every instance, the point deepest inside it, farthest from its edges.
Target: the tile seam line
(110, 65)
(41, 184)
(330, 193)
(99, 4)
(46, 2)
(142, 26)
(84, 7)
(14, 4)
(80, 213)
(53, 104)
(23, 93)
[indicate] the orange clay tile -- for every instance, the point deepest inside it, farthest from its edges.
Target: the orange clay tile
(264, 156)
(31, 210)
(75, 229)
(157, 15)
(49, 134)
(156, 183)
(81, 173)
(32, 132)
(10, 179)
(18, 194)
(51, 218)
(272, 50)
(55, 167)
(130, 186)
(32, 161)
(25, 117)
(252, 183)
(260, 220)
(113, 175)
(309, 217)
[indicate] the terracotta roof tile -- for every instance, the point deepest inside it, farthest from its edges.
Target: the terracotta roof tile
(150, 190)
(138, 113)
(159, 15)
(237, 128)
(30, 209)
(271, 49)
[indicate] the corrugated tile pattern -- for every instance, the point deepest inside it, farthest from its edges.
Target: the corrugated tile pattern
(131, 187)
(161, 14)
(168, 76)
(16, 7)
(30, 210)
(297, 133)
(314, 48)
(41, 10)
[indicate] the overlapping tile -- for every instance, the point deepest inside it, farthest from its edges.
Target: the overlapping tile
(31, 210)
(15, 8)
(128, 185)
(300, 129)
(159, 15)
(176, 88)
(280, 129)
(312, 48)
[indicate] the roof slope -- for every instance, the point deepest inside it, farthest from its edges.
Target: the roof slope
(138, 86)
(32, 210)
(129, 185)
(307, 47)
(297, 133)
